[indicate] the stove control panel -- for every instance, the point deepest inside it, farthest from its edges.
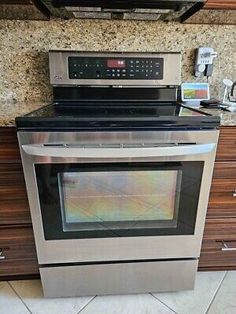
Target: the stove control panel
(126, 68)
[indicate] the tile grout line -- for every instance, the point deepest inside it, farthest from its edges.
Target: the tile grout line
(19, 297)
(217, 290)
(163, 303)
(87, 304)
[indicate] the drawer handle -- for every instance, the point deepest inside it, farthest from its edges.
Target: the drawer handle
(1, 255)
(234, 194)
(226, 248)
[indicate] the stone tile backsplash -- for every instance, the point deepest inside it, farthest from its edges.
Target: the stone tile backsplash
(24, 48)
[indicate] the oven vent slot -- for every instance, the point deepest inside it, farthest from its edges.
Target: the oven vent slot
(116, 145)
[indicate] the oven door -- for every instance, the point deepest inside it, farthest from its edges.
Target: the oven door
(142, 199)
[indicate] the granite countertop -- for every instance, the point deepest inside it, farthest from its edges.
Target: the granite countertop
(9, 111)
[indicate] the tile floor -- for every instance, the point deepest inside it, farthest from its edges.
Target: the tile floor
(214, 293)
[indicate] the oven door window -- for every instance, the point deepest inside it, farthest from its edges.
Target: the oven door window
(118, 200)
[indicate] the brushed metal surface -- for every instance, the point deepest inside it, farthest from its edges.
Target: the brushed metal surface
(58, 66)
(121, 248)
(118, 278)
(65, 152)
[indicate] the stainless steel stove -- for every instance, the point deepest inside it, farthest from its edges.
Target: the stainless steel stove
(118, 175)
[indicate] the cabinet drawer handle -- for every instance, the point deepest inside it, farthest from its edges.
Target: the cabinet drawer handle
(226, 248)
(1, 255)
(234, 194)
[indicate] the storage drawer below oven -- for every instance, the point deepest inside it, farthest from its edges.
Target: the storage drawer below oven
(118, 278)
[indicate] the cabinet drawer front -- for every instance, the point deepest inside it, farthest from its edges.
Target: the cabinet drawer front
(223, 186)
(13, 193)
(213, 257)
(225, 170)
(14, 212)
(17, 251)
(222, 201)
(14, 208)
(227, 144)
(18, 267)
(9, 145)
(11, 174)
(16, 236)
(220, 229)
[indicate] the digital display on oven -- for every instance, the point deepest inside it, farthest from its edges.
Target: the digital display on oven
(115, 63)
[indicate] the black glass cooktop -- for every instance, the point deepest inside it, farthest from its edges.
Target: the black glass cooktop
(87, 116)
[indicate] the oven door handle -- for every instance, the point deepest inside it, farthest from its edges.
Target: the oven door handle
(114, 153)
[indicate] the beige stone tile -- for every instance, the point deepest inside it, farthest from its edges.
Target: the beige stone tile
(9, 301)
(31, 293)
(126, 304)
(225, 299)
(198, 300)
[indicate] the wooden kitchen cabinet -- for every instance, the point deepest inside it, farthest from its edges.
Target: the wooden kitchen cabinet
(220, 227)
(23, 10)
(17, 245)
(215, 12)
(225, 4)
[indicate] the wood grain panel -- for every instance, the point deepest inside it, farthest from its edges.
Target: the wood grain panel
(213, 258)
(16, 268)
(223, 186)
(225, 4)
(15, 212)
(224, 170)
(222, 202)
(18, 248)
(11, 174)
(9, 149)
(220, 229)
(15, 235)
(14, 208)
(227, 144)
(14, 193)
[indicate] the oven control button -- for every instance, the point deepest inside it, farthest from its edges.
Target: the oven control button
(74, 74)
